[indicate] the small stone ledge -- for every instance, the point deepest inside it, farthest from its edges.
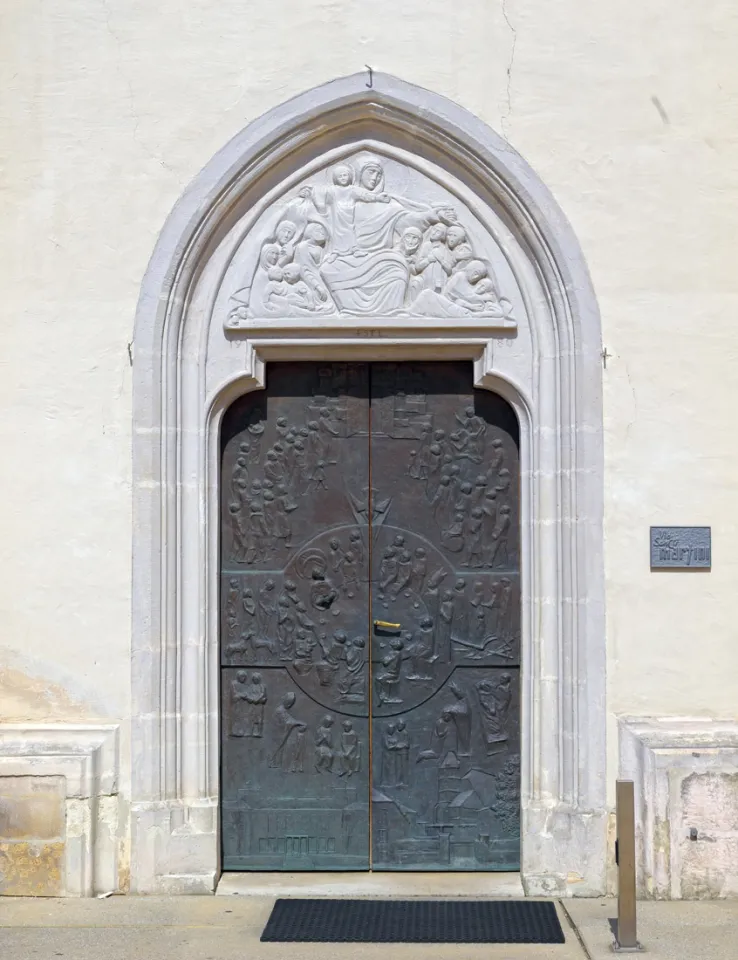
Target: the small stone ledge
(685, 775)
(74, 766)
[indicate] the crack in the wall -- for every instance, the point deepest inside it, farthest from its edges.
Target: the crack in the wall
(508, 91)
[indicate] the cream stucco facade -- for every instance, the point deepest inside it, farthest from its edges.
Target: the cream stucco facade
(109, 112)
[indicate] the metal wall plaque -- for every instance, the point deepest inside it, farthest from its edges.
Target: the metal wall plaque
(681, 547)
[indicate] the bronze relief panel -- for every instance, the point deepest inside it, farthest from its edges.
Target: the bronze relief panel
(295, 612)
(370, 517)
(445, 572)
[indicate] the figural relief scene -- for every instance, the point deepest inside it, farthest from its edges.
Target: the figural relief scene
(367, 237)
(370, 621)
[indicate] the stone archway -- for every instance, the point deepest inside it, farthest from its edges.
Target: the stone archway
(195, 353)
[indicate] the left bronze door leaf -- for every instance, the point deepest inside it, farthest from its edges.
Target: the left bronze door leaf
(294, 622)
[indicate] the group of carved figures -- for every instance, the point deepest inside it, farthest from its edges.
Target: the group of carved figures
(334, 752)
(452, 730)
(340, 753)
(351, 247)
(265, 490)
(467, 484)
(477, 624)
(281, 624)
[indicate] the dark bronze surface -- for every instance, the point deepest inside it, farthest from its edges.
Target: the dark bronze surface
(445, 729)
(420, 576)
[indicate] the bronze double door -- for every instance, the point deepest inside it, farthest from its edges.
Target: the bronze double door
(370, 611)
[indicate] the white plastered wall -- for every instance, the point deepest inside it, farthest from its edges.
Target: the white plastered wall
(109, 110)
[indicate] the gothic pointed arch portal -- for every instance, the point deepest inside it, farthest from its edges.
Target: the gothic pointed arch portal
(355, 224)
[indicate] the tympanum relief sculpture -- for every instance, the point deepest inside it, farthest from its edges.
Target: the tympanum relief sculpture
(357, 240)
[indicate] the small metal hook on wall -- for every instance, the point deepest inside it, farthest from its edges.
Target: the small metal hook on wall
(371, 77)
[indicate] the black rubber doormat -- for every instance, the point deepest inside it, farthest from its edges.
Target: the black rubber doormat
(413, 921)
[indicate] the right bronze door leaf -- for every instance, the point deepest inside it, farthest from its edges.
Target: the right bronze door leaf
(445, 573)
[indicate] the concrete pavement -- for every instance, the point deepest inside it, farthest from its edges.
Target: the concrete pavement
(228, 928)
(668, 930)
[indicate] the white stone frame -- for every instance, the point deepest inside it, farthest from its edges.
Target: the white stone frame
(183, 384)
(86, 756)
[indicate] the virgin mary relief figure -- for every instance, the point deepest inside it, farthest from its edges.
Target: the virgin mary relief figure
(353, 248)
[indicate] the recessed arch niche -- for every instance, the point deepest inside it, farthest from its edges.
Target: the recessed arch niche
(200, 343)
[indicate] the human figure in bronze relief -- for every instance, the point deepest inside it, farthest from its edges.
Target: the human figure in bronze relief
(480, 490)
(419, 647)
(506, 589)
(258, 536)
(239, 476)
(478, 627)
(274, 467)
(461, 609)
(350, 755)
(238, 698)
(418, 570)
(318, 478)
(497, 459)
(300, 470)
(404, 572)
(402, 751)
(489, 525)
(388, 675)
(314, 446)
(328, 431)
(492, 604)
(475, 541)
(255, 696)
(288, 728)
(499, 552)
(350, 574)
(356, 545)
(256, 431)
(285, 629)
(232, 598)
(503, 481)
(324, 754)
(452, 537)
(494, 701)
(334, 652)
(304, 646)
(387, 570)
(336, 556)
(445, 624)
(322, 592)
(388, 768)
(281, 522)
(459, 712)
(352, 686)
(239, 532)
(435, 465)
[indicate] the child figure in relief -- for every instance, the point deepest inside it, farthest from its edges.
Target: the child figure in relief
(287, 288)
(339, 203)
(472, 288)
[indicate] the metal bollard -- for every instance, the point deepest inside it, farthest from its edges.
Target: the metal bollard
(626, 940)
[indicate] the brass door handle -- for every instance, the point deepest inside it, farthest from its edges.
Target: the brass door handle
(387, 626)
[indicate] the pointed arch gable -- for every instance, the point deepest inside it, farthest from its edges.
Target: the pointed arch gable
(188, 368)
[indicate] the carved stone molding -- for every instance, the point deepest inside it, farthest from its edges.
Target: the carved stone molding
(204, 337)
(80, 762)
